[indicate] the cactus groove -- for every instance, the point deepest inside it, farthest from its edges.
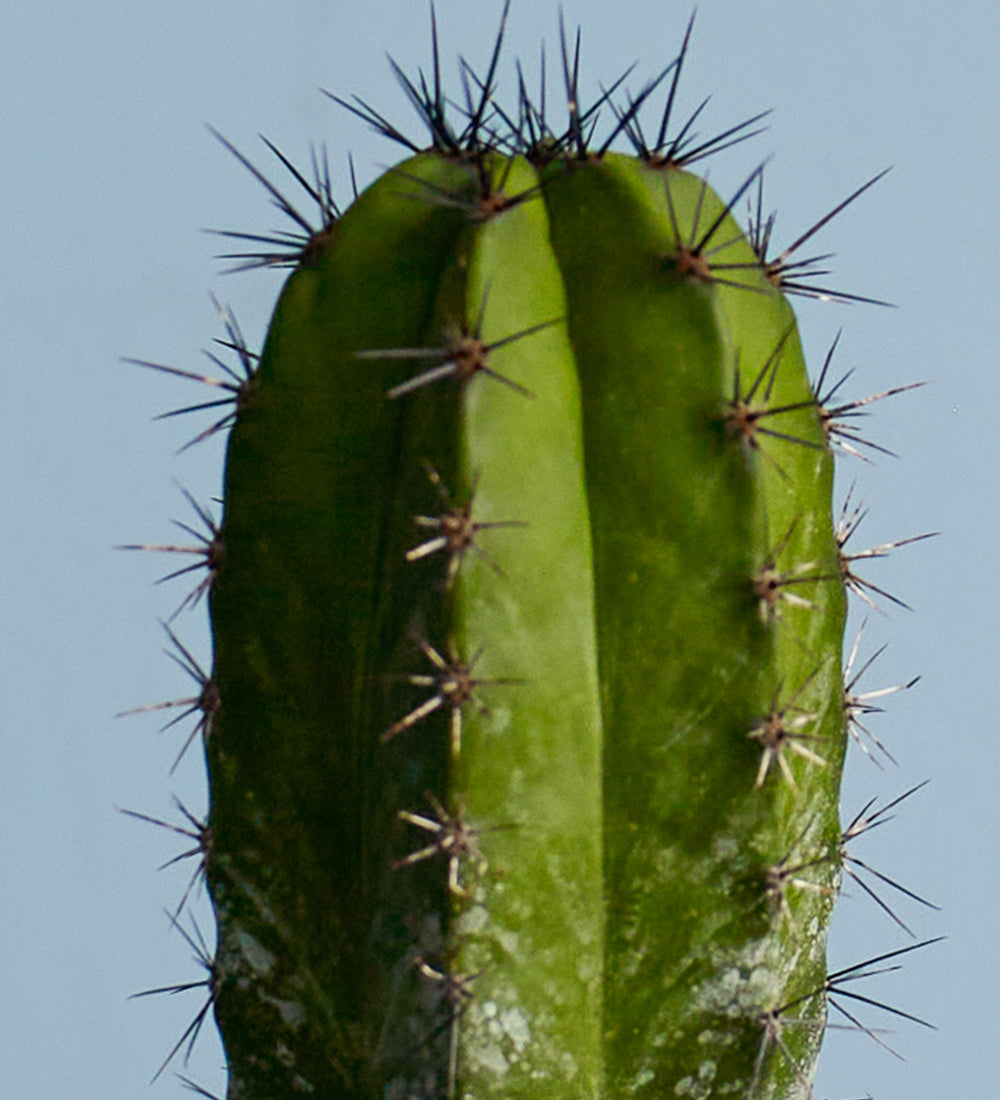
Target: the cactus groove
(526, 719)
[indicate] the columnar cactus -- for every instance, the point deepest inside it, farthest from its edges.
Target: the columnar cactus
(526, 720)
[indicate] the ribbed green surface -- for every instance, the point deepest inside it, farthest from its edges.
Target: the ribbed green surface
(611, 934)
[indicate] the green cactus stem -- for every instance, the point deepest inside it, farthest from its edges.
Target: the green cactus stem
(527, 713)
(609, 724)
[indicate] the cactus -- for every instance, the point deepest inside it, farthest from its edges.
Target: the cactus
(526, 720)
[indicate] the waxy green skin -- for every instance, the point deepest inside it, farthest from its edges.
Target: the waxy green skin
(612, 934)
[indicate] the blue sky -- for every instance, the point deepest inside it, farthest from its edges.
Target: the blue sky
(109, 174)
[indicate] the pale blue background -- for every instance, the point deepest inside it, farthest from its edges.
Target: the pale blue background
(107, 175)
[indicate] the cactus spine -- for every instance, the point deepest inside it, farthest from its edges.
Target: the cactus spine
(527, 715)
